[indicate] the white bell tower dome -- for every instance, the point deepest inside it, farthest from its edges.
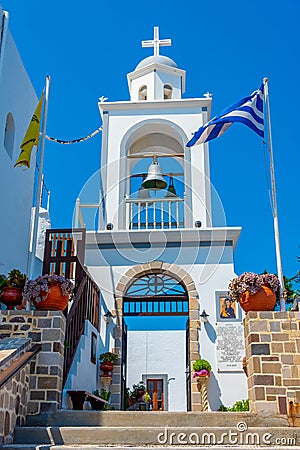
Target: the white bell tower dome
(156, 77)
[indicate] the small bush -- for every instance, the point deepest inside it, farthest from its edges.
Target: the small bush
(201, 364)
(239, 406)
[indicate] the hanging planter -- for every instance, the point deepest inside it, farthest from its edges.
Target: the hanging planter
(254, 292)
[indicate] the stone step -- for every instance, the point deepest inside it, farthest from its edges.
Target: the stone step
(154, 419)
(239, 435)
(173, 447)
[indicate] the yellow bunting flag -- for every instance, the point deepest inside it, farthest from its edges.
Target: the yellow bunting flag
(31, 137)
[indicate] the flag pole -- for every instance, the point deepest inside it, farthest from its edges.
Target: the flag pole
(274, 199)
(39, 181)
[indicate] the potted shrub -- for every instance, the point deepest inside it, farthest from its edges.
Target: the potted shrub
(255, 292)
(49, 292)
(11, 288)
(138, 391)
(202, 368)
(107, 360)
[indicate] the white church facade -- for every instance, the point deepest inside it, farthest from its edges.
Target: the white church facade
(162, 266)
(18, 101)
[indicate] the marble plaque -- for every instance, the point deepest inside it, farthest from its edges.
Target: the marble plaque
(230, 346)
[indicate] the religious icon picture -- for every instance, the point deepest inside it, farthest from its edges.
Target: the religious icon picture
(226, 308)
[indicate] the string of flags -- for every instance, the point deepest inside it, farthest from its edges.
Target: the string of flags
(75, 141)
(31, 138)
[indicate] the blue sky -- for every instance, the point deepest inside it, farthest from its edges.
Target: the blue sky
(226, 49)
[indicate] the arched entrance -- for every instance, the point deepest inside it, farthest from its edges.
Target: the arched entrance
(150, 277)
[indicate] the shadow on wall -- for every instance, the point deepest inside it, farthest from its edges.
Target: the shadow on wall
(211, 333)
(214, 393)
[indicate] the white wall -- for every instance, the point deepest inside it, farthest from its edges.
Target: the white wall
(123, 124)
(16, 185)
(160, 353)
(211, 269)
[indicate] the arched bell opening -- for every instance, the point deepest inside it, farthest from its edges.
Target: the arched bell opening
(143, 93)
(168, 90)
(155, 183)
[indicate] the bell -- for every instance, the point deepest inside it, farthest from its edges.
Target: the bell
(154, 178)
(171, 192)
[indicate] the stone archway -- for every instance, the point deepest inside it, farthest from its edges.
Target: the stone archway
(179, 274)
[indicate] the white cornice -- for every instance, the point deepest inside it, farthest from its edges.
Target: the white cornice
(148, 105)
(185, 236)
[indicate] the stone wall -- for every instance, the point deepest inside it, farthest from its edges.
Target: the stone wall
(46, 372)
(273, 360)
(14, 393)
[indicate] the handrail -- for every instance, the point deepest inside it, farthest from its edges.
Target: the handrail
(16, 366)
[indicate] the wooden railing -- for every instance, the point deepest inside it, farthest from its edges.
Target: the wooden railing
(17, 365)
(64, 255)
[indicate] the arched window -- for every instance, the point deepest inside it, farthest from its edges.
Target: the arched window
(155, 294)
(167, 92)
(143, 93)
(9, 135)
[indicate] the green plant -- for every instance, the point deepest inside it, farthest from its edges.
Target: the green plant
(17, 279)
(223, 408)
(3, 281)
(14, 279)
(252, 283)
(290, 293)
(239, 406)
(201, 364)
(105, 395)
(108, 357)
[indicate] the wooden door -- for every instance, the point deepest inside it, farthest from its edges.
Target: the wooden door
(155, 388)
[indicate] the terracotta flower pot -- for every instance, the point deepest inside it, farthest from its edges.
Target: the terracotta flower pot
(107, 368)
(55, 300)
(263, 300)
(11, 297)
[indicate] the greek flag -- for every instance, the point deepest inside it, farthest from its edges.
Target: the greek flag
(249, 110)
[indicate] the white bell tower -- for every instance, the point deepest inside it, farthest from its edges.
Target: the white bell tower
(155, 227)
(156, 122)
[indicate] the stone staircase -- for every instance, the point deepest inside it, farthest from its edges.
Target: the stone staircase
(67, 430)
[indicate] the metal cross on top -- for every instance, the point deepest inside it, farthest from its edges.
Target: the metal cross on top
(156, 43)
